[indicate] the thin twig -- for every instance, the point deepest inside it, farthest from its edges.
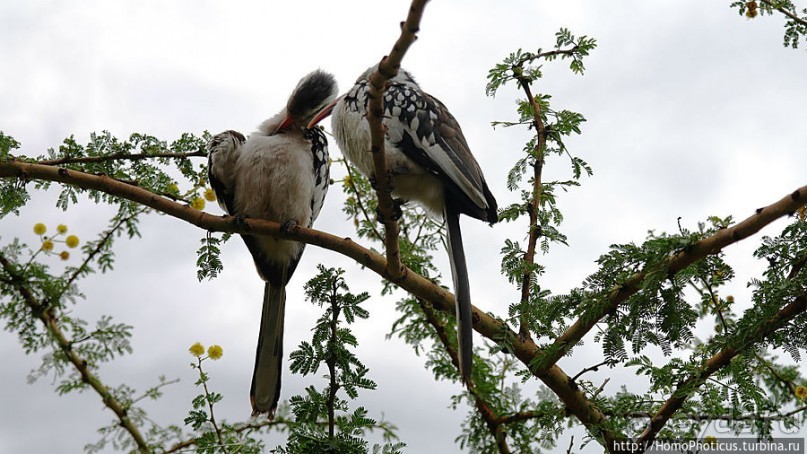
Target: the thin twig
(708, 417)
(707, 246)
(786, 12)
(485, 412)
(357, 194)
(203, 379)
(122, 157)
(236, 429)
(101, 243)
(715, 363)
(43, 313)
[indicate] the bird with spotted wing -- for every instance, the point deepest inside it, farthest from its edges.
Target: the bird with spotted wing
(432, 164)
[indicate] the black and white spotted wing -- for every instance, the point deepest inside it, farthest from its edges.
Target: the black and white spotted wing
(223, 150)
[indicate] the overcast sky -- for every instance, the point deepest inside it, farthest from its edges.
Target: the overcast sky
(692, 111)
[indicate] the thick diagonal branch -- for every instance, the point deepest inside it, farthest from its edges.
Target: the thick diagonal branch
(708, 246)
(524, 349)
(44, 314)
(715, 363)
(387, 69)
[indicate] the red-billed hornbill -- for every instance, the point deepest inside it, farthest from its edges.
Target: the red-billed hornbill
(279, 174)
(431, 163)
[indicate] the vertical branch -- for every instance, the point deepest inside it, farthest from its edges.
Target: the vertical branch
(216, 427)
(331, 361)
(43, 313)
(535, 205)
(387, 69)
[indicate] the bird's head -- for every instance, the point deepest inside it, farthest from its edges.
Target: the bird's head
(313, 93)
(403, 77)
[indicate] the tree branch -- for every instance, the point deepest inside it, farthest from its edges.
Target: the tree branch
(488, 415)
(524, 349)
(715, 363)
(707, 246)
(387, 69)
(122, 157)
(791, 15)
(43, 313)
(183, 445)
(708, 417)
(537, 191)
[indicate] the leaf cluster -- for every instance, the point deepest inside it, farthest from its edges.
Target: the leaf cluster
(795, 25)
(323, 421)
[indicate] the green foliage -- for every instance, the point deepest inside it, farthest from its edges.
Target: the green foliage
(421, 232)
(208, 263)
(520, 65)
(656, 332)
(323, 420)
(12, 191)
(214, 436)
(795, 25)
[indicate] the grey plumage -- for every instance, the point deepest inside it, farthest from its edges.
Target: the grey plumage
(279, 174)
(432, 164)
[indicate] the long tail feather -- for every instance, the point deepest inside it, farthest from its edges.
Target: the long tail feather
(265, 391)
(462, 290)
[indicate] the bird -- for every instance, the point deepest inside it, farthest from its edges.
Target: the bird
(431, 163)
(280, 173)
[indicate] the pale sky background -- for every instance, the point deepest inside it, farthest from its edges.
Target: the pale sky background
(692, 111)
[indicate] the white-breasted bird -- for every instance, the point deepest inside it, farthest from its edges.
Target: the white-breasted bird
(281, 174)
(429, 158)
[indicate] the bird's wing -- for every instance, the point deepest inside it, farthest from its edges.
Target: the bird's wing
(423, 128)
(222, 153)
(321, 170)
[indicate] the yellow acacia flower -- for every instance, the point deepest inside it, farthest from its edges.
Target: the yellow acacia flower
(39, 228)
(173, 188)
(64, 255)
(47, 245)
(215, 352)
(198, 204)
(348, 180)
(71, 241)
(197, 349)
(710, 440)
(751, 12)
(730, 299)
(210, 195)
(61, 228)
(801, 392)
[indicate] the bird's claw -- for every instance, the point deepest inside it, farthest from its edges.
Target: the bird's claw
(397, 213)
(240, 220)
(399, 170)
(288, 226)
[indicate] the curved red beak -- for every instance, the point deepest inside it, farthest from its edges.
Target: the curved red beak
(322, 114)
(287, 121)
